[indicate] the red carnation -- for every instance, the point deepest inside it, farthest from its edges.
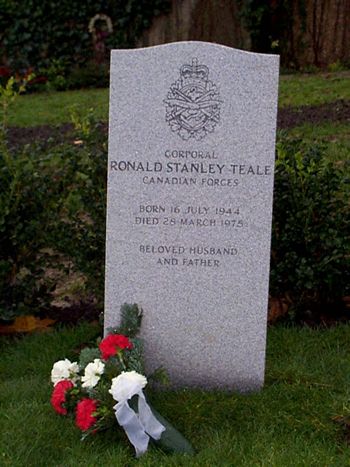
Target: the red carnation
(85, 408)
(58, 397)
(111, 345)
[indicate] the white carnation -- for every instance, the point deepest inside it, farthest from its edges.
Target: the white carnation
(64, 369)
(126, 385)
(93, 372)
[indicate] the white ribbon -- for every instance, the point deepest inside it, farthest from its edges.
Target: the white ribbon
(138, 427)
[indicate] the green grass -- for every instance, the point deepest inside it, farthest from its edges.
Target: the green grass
(288, 423)
(296, 90)
(53, 108)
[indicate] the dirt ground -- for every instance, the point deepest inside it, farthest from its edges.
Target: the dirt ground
(337, 111)
(75, 313)
(288, 117)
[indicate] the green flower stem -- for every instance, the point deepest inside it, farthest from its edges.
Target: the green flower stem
(120, 358)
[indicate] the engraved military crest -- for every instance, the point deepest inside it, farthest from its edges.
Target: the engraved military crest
(193, 103)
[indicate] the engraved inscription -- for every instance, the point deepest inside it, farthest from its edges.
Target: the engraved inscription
(193, 103)
(193, 255)
(190, 216)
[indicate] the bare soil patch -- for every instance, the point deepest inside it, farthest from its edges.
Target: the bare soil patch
(288, 117)
(75, 313)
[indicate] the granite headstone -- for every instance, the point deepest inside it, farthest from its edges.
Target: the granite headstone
(190, 183)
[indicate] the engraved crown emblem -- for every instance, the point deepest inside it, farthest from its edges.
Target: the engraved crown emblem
(193, 103)
(194, 74)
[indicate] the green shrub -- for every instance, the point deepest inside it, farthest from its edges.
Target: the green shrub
(27, 208)
(80, 232)
(25, 194)
(52, 212)
(95, 75)
(311, 228)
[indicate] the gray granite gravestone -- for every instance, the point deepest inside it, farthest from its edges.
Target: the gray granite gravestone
(190, 182)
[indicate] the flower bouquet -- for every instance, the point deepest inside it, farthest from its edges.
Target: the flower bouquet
(105, 388)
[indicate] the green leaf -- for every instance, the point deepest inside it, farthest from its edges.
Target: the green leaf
(130, 322)
(171, 439)
(88, 355)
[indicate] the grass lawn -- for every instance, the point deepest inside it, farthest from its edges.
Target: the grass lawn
(296, 90)
(53, 108)
(288, 423)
